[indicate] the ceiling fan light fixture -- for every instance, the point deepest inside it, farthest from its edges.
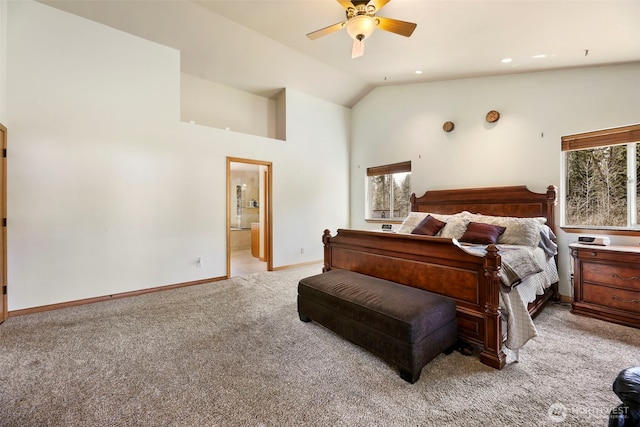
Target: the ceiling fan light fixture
(360, 27)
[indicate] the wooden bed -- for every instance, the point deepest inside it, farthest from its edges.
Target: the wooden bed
(437, 265)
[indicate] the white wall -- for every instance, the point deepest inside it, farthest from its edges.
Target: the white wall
(109, 192)
(211, 104)
(3, 61)
(400, 123)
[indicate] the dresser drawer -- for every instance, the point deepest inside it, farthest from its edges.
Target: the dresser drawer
(607, 283)
(611, 275)
(621, 299)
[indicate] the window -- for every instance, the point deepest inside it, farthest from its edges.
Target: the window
(389, 191)
(601, 171)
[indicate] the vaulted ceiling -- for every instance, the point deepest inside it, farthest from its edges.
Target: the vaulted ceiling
(261, 46)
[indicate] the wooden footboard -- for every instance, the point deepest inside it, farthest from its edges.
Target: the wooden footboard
(437, 265)
(434, 264)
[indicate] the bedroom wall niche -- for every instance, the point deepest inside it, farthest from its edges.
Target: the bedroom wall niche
(207, 103)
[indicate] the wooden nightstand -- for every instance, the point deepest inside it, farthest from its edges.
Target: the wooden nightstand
(606, 283)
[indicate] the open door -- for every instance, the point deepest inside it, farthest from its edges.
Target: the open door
(249, 225)
(3, 233)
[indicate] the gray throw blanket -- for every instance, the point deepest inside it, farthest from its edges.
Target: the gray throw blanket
(548, 241)
(518, 262)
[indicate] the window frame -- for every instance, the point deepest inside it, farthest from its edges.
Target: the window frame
(390, 169)
(629, 135)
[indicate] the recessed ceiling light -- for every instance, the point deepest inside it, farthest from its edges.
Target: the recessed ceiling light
(506, 60)
(539, 56)
(418, 71)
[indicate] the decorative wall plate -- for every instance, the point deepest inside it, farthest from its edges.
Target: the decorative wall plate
(448, 126)
(493, 116)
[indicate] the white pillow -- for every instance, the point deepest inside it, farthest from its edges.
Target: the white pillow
(411, 221)
(519, 231)
(455, 227)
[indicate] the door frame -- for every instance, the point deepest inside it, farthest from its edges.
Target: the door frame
(268, 211)
(3, 234)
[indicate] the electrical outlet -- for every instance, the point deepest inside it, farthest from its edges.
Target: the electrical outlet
(198, 262)
(301, 250)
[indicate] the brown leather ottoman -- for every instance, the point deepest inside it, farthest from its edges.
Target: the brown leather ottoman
(406, 326)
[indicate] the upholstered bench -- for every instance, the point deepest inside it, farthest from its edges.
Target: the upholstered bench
(405, 326)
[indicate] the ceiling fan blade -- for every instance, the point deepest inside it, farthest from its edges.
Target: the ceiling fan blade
(346, 4)
(378, 4)
(326, 30)
(357, 50)
(403, 28)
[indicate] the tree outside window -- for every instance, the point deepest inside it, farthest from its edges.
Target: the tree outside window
(601, 178)
(389, 191)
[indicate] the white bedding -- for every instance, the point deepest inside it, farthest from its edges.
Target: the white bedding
(514, 301)
(520, 326)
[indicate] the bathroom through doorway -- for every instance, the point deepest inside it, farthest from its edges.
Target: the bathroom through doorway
(248, 216)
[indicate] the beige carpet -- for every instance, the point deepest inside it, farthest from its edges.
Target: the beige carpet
(234, 353)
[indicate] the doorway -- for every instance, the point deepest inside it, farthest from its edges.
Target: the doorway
(249, 212)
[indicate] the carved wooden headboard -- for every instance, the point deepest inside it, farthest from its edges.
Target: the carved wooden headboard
(515, 201)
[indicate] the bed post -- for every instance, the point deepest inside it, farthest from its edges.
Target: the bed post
(327, 251)
(552, 201)
(492, 354)
(413, 199)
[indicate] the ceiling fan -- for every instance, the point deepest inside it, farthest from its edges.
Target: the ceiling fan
(361, 21)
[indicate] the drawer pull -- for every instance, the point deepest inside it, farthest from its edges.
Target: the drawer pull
(631, 301)
(616, 276)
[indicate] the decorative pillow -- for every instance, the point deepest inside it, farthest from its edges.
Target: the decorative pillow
(429, 226)
(414, 218)
(411, 221)
(522, 231)
(519, 231)
(454, 228)
(485, 234)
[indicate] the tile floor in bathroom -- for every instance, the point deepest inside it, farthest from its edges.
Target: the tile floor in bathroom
(242, 262)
